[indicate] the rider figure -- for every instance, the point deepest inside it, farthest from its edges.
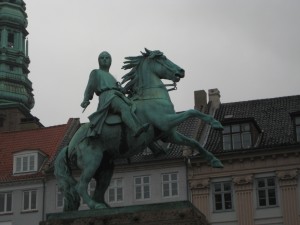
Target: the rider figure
(111, 99)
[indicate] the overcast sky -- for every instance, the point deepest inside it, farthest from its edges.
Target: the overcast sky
(247, 49)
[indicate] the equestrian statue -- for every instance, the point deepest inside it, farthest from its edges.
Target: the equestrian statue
(130, 117)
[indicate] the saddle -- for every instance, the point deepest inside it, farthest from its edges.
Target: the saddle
(113, 119)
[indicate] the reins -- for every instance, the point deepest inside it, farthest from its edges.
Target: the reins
(174, 85)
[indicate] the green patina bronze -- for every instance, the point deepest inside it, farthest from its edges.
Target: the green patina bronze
(15, 87)
(111, 99)
(95, 145)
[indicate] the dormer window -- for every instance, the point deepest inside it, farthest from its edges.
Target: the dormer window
(237, 136)
(27, 162)
(240, 133)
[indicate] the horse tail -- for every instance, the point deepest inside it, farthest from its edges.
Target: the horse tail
(66, 182)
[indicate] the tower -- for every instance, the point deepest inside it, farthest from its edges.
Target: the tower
(16, 97)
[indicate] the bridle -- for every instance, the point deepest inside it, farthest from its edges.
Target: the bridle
(174, 86)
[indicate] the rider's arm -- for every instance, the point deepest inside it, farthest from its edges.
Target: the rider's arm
(89, 90)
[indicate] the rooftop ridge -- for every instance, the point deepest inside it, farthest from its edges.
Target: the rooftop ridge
(260, 99)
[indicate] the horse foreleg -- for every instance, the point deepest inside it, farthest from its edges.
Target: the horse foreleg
(180, 139)
(174, 120)
(89, 161)
(103, 177)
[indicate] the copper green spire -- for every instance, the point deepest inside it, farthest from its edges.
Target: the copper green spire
(15, 87)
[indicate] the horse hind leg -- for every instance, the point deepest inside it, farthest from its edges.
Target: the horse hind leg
(89, 163)
(103, 177)
(66, 182)
(180, 139)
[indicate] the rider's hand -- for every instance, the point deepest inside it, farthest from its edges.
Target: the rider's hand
(85, 104)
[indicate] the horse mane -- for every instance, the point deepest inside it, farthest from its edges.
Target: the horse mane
(133, 62)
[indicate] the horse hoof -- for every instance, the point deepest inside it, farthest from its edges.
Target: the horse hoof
(217, 125)
(100, 206)
(215, 163)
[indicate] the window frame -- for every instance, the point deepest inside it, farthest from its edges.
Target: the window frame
(169, 182)
(266, 190)
(114, 187)
(30, 208)
(222, 193)
(90, 190)
(19, 169)
(142, 185)
(5, 203)
(57, 196)
(231, 134)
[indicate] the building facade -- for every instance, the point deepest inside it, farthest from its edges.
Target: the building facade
(25, 156)
(259, 148)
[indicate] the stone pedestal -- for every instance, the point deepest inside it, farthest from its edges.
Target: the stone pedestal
(173, 213)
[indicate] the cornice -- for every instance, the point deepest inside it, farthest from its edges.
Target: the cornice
(261, 155)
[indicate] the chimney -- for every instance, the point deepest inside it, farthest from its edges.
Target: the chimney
(214, 98)
(200, 100)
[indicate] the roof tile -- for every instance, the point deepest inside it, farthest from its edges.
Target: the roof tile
(46, 140)
(271, 115)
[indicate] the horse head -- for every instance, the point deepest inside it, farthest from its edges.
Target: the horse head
(148, 69)
(163, 67)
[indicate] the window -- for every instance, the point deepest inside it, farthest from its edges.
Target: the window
(147, 151)
(115, 190)
(26, 162)
(222, 196)
(5, 202)
(266, 192)
(297, 124)
(11, 40)
(59, 198)
(142, 187)
(29, 200)
(91, 189)
(170, 185)
(237, 136)
(6, 223)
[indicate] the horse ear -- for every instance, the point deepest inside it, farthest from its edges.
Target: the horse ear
(147, 51)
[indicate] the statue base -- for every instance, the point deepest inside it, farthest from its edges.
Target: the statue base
(171, 213)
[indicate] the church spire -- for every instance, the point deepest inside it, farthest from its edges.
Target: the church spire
(15, 87)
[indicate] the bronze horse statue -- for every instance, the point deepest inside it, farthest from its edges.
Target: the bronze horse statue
(95, 156)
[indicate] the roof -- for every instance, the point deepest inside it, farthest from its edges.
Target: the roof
(273, 117)
(47, 140)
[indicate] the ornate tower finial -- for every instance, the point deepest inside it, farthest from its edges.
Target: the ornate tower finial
(15, 87)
